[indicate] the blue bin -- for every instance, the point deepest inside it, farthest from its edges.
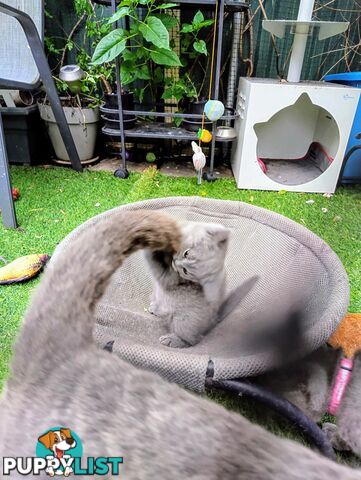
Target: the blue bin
(352, 171)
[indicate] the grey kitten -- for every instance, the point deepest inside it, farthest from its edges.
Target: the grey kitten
(59, 377)
(189, 289)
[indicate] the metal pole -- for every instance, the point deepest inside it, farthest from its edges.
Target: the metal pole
(233, 68)
(300, 41)
(6, 197)
(119, 96)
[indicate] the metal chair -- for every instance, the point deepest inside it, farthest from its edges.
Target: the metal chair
(23, 65)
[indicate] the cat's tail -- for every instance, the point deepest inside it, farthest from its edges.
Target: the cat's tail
(60, 319)
(235, 297)
(281, 329)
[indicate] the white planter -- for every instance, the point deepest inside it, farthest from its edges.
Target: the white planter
(83, 124)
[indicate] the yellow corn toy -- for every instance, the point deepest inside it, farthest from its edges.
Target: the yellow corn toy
(204, 135)
(22, 268)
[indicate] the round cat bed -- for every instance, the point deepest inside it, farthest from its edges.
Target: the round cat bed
(293, 265)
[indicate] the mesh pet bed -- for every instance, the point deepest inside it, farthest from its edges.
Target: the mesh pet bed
(291, 261)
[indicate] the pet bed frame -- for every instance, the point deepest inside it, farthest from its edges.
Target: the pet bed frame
(294, 265)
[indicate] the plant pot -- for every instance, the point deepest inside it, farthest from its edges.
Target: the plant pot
(193, 125)
(111, 103)
(25, 139)
(83, 124)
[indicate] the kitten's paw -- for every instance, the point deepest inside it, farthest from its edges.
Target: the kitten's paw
(336, 440)
(153, 309)
(171, 340)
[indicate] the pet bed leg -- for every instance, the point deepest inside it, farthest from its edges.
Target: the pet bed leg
(281, 406)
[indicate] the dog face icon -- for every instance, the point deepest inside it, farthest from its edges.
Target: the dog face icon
(58, 441)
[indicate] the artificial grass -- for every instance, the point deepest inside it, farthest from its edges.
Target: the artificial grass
(55, 200)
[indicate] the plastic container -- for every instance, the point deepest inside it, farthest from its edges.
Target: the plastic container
(25, 137)
(352, 170)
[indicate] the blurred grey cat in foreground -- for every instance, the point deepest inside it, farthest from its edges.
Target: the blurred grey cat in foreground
(189, 289)
(59, 377)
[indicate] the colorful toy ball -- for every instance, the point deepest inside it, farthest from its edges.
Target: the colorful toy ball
(214, 109)
(204, 135)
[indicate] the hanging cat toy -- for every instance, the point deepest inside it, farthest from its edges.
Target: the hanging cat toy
(213, 110)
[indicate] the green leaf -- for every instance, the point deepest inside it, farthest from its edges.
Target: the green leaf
(177, 121)
(198, 18)
(125, 3)
(165, 57)
(70, 45)
(168, 20)
(139, 93)
(109, 47)
(127, 73)
(141, 53)
(186, 42)
(120, 13)
(168, 93)
(206, 23)
(133, 29)
(155, 32)
(143, 2)
(187, 28)
(129, 54)
(143, 73)
(167, 5)
(200, 47)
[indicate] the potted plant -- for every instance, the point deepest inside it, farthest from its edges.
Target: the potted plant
(144, 47)
(80, 99)
(82, 114)
(188, 88)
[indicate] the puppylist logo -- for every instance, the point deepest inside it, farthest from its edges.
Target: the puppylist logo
(59, 452)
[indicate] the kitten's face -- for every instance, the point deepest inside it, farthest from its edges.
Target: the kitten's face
(204, 247)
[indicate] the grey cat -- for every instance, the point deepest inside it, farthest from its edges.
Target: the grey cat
(307, 383)
(59, 377)
(189, 289)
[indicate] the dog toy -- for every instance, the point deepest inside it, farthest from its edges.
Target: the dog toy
(348, 338)
(199, 161)
(204, 135)
(214, 109)
(22, 268)
(16, 193)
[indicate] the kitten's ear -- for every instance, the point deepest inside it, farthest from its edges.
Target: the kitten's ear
(219, 234)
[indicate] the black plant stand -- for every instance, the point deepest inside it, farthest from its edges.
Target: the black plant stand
(157, 130)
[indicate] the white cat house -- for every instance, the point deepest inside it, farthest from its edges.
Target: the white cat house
(291, 136)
